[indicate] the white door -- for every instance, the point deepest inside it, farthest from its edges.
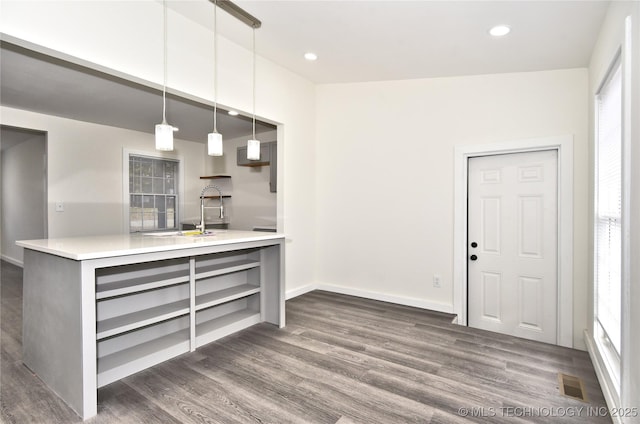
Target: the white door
(512, 244)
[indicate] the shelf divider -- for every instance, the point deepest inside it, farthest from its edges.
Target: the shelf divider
(139, 284)
(225, 268)
(123, 323)
(137, 358)
(222, 296)
(214, 177)
(217, 328)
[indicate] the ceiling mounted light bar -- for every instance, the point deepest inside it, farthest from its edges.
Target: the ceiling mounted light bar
(238, 13)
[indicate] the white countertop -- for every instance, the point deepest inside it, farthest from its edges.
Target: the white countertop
(95, 247)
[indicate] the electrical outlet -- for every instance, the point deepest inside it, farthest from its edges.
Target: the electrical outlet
(59, 206)
(437, 280)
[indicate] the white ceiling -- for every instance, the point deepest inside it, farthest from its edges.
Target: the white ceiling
(356, 40)
(364, 40)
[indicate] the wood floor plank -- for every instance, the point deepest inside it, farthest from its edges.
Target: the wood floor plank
(427, 348)
(391, 309)
(514, 398)
(24, 397)
(341, 359)
(377, 323)
(588, 377)
(440, 399)
(119, 403)
(380, 407)
(279, 387)
(337, 382)
(188, 403)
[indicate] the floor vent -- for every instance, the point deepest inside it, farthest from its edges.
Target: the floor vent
(572, 387)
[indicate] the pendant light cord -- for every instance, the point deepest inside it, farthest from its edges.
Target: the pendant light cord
(254, 83)
(164, 83)
(215, 66)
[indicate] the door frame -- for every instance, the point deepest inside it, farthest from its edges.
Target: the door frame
(564, 146)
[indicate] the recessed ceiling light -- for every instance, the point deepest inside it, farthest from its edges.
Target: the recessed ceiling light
(233, 113)
(310, 56)
(500, 30)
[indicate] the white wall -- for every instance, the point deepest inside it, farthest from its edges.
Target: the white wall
(85, 171)
(385, 163)
(85, 30)
(23, 195)
(610, 39)
(251, 203)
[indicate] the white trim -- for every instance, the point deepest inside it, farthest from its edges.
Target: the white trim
(125, 181)
(45, 183)
(626, 351)
(89, 347)
(12, 261)
(609, 361)
(564, 146)
(367, 294)
(400, 300)
(300, 291)
(606, 384)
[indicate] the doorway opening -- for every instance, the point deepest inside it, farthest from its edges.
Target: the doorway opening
(23, 195)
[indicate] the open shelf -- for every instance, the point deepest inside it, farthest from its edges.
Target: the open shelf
(222, 326)
(120, 364)
(138, 284)
(123, 323)
(146, 315)
(225, 268)
(222, 296)
(214, 177)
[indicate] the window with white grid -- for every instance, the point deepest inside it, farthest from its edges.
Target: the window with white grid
(153, 193)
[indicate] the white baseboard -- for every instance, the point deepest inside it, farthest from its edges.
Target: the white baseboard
(12, 261)
(290, 294)
(400, 300)
(606, 383)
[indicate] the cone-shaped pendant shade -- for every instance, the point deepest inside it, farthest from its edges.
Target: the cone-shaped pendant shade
(214, 144)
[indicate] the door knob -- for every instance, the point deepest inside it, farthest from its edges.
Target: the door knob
(474, 244)
(473, 257)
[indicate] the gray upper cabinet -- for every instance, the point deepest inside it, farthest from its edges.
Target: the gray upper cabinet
(268, 156)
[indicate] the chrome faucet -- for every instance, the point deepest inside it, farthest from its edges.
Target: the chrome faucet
(201, 227)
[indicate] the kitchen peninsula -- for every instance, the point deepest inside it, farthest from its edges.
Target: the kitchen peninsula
(97, 309)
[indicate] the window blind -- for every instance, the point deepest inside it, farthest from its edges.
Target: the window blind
(608, 228)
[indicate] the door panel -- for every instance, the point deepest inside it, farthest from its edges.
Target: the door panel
(490, 225)
(531, 301)
(490, 295)
(531, 225)
(513, 217)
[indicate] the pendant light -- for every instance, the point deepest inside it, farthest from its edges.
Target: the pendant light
(164, 131)
(214, 139)
(253, 145)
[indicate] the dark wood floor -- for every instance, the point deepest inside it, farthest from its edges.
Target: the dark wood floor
(340, 359)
